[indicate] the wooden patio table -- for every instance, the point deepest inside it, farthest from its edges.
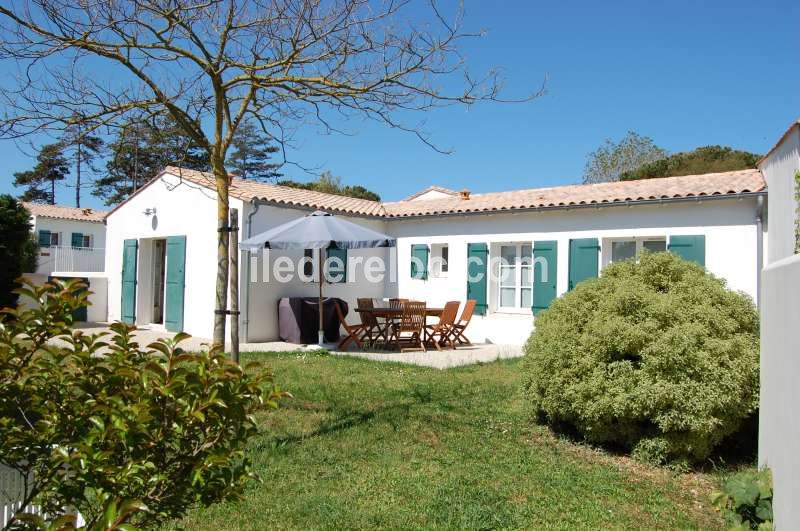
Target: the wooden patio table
(393, 314)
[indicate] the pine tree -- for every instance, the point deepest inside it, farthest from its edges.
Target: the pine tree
(139, 152)
(85, 148)
(51, 167)
(250, 155)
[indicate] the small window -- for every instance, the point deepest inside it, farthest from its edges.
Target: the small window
(439, 258)
(87, 241)
(628, 248)
(55, 239)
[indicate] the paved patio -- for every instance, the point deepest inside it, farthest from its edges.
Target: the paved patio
(479, 353)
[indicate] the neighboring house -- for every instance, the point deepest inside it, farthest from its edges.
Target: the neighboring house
(72, 244)
(70, 239)
(161, 259)
(779, 423)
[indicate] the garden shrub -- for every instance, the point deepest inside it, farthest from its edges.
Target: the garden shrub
(116, 431)
(19, 251)
(655, 355)
(745, 500)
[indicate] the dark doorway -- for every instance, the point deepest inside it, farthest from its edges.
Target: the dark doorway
(159, 261)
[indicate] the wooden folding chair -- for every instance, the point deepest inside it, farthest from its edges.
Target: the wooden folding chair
(397, 303)
(412, 323)
(439, 333)
(373, 330)
(355, 333)
(457, 330)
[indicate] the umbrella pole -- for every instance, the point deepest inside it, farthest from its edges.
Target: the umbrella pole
(321, 329)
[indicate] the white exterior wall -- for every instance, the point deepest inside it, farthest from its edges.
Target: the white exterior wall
(779, 168)
(65, 227)
(779, 422)
(261, 314)
(729, 227)
(182, 209)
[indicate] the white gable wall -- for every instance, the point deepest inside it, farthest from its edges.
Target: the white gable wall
(779, 168)
(432, 194)
(181, 209)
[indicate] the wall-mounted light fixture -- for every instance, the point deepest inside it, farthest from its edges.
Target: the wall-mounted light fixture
(149, 211)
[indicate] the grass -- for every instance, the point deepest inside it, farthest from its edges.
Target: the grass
(368, 444)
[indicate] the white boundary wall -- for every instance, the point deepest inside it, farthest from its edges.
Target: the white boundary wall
(779, 420)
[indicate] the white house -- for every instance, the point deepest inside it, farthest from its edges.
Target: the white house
(161, 243)
(72, 244)
(779, 422)
(70, 239)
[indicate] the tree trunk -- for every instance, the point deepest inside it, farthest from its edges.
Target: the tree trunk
(221, 306)
(78, 177)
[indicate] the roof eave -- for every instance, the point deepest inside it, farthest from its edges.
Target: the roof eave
(628, 203)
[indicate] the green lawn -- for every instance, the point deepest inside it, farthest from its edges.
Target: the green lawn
(366, 444)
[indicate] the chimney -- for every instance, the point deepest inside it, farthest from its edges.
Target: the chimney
(464, 194)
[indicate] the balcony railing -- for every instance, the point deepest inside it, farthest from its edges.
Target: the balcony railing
(83, 259)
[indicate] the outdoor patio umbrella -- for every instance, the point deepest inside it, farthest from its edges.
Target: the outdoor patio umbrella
(319, 230)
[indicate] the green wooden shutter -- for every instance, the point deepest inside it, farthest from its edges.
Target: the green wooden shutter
(583, 260)
(692, 248)
(477, 262)
(44, 238)
(77, 239)
(545, 274)
(419, 261)
(176, 265)
(339, 276)
(128, 310)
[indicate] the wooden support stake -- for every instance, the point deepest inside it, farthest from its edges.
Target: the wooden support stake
(234, 282)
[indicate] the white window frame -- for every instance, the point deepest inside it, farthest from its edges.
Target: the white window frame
(437, 271)
(639, 240)
(518, 266)
(87, 241)
(58, 238)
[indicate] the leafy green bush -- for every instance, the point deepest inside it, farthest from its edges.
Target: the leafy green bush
(746, 500)
(92, 421)
(655, 355)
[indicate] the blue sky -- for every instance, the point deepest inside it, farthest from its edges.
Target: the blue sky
(684, 73)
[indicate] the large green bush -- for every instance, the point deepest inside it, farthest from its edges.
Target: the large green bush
(656, 356)
(114, 430)
(18, 250)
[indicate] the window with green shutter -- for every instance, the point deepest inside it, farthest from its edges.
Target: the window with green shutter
(77, 239)
(691, 248)
(336, 265)
(419, 261)
(44, 238)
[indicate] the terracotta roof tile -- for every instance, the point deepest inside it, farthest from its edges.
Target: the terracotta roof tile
(66, 212)
(711, 184)
(715, 184)
(248, 189)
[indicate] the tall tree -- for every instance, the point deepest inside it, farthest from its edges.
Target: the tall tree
(84, 148)
(214, 64)
(140, 151)
(18, 250)
(706, 159)
(612, 159)
(40, 182)
(252, 151)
